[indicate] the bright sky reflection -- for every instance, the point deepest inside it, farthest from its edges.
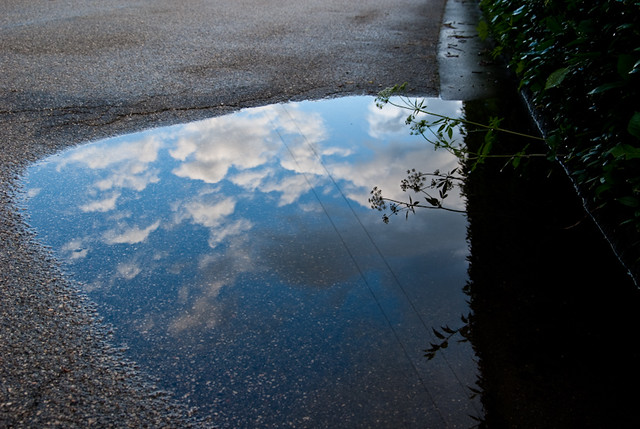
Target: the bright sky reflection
(239, 260)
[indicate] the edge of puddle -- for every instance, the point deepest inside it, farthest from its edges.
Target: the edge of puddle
(401, 121)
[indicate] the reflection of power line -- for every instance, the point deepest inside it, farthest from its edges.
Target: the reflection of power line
(353, 259)
(382, 257)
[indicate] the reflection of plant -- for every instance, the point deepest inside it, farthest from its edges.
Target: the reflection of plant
(444, 336)
(417, 182)
(440, 132)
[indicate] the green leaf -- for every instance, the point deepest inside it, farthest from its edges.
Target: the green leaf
(556, 78)
(629, 201)
(606, 87)
(625, 65)
(483, 30)
(634, 125)
(437, 334)
(553, 24)
(625, 151)
(486, 146)
(515, 161)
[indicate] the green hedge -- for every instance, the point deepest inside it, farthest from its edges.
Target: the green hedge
(579, 61)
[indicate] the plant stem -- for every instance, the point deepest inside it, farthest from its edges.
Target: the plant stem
(464, 121)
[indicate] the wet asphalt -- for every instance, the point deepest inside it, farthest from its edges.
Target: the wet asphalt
(74, 71)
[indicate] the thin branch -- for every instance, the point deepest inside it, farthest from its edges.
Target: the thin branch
(419, 109)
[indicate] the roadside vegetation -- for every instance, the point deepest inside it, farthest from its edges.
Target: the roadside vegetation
(578, 62)
(578, 65)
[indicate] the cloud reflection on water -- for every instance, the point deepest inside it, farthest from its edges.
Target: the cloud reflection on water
(237, 227)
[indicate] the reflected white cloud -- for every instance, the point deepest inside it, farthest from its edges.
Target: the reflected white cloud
(290, 188)
(252, 144)
(212, 236)
(389, 120)
(103, 205)
(100, 156)
(219, 235)
(128, 270)
(210, 215)
(303, 159)
(294, 121)
(214, 214)
(75, 249)
(210, 148)
(126, 165)
(393, 156)
(129, 235)
(388, 166)
(252, 180)
(216, 271)
(132, 176)
(235, 177)
(203, 313)
(33, 192)
(286, 150)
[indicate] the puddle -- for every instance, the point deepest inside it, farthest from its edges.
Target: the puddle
(239, 261)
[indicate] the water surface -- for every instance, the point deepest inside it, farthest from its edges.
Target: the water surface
(238, 260)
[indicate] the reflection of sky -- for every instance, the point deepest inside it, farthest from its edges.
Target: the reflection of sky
(240, 261)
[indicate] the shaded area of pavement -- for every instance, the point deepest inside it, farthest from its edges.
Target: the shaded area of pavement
(75, 71)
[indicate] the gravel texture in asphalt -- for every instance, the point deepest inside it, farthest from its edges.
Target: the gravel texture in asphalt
(74, 71)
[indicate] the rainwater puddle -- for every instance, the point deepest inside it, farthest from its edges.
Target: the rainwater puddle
(239, 261)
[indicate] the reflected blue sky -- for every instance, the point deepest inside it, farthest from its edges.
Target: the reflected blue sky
(239, 260)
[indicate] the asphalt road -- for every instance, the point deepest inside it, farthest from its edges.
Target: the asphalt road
(74, 70)
(79, 63)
